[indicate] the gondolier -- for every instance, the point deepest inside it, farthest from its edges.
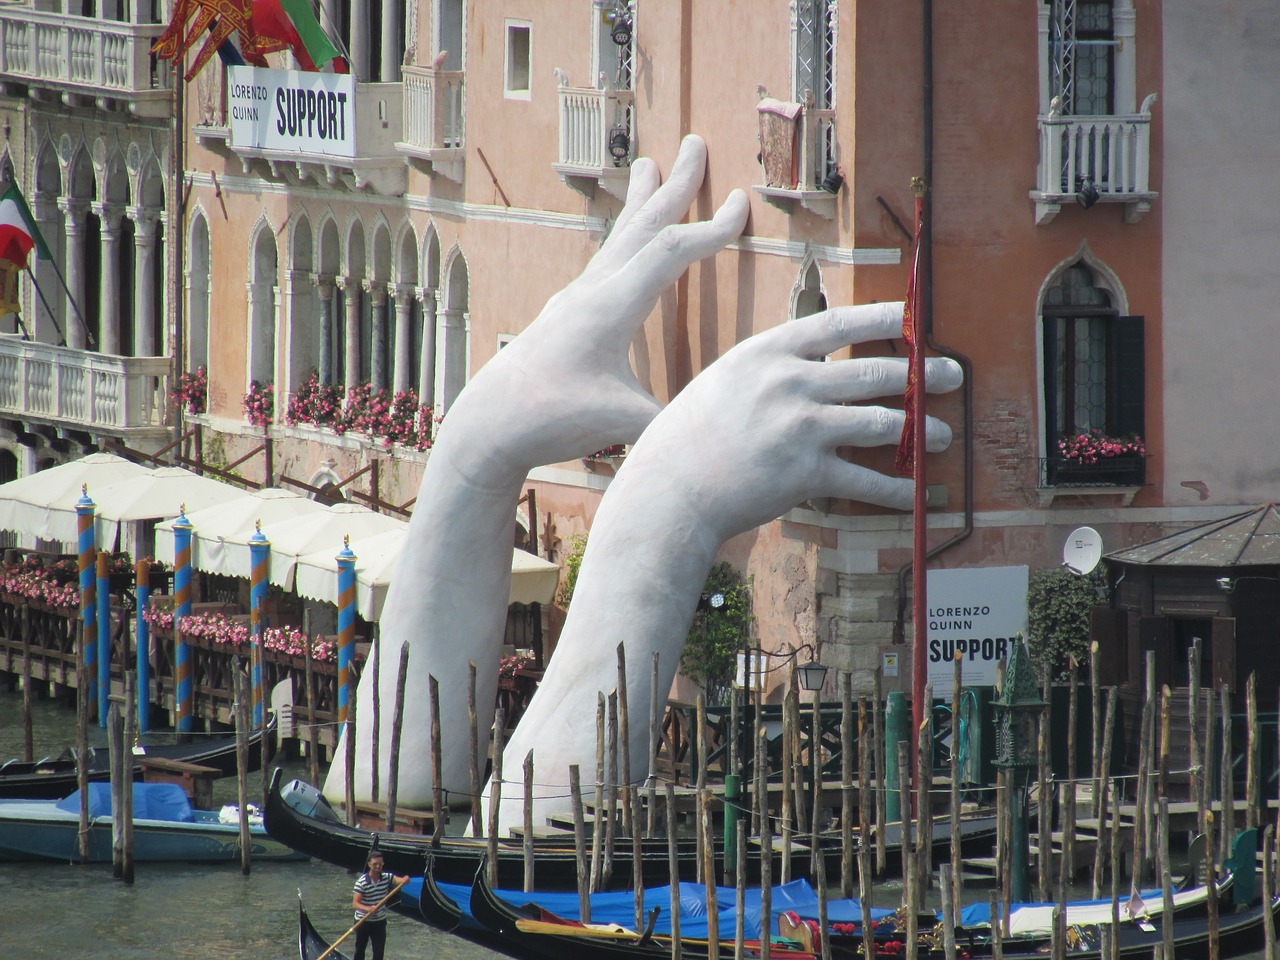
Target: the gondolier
(373, 889)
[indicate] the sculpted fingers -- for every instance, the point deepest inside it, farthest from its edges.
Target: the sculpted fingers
(668, 255)
(661, 206)
(816, 336)
(875, 427)
(872, 377)
(850, 481)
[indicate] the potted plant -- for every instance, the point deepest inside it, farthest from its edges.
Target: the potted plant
(1091, 457)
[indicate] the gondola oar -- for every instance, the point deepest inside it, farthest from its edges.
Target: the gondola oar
(395, 888)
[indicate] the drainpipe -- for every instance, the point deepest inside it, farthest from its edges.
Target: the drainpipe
(926, 302)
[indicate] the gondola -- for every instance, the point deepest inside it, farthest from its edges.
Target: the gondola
(312, 946)
(298, 815)
(54, 777)
(534, 935)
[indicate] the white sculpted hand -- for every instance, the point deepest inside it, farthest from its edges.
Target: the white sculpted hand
(753, 435)
(561, 390)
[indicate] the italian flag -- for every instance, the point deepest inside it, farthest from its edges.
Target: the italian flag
(18, 230)
(292, 24)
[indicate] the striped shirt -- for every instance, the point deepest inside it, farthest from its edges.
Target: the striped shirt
(373, 891)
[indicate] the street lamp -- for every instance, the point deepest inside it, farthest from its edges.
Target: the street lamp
(812, 675)
(1017, 707)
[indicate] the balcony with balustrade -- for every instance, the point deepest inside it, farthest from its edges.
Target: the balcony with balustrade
(98, 393)
(85, 59)
(597, 138)
(1095, 159)
(435, 120)
(798, 157)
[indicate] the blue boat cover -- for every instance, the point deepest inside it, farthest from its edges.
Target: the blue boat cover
(151, 801)
(798, 896)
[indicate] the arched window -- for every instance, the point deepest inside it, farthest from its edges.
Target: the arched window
(451, 358)
(808, 298)
(262, 307)
(198, 294)
(1093, 361)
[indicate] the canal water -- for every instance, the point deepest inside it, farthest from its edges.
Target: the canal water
(184, 911)
(178, 911)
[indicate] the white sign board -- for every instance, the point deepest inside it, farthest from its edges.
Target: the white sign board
(974, 614)
(292, 111)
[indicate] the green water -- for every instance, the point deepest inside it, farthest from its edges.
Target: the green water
(176, 911)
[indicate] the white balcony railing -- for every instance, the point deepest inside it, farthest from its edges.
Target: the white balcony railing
(597, 138)
(120, 396)
(86, 56)
(798, 161)
(435, 118)
(1112, 153)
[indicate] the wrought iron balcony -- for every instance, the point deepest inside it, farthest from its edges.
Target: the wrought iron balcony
(435, 119)
(100, 393)
(1112, 154)
(597, 138)
(1128, 470)
(102, 60)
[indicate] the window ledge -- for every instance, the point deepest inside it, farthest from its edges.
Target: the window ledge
(1124, 495)
(820, 202)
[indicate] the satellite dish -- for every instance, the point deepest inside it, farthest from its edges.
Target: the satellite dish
(1082, 551)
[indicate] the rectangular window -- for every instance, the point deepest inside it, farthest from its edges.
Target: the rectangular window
(519, 36)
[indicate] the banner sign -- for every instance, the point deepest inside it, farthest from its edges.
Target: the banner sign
(292, 111)
(974, 614)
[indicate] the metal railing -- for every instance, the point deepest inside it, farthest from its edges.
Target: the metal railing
(1129, 470)
(88, 390)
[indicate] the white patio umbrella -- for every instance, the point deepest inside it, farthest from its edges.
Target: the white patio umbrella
(533, 580)
(44, 504)
(219, 541)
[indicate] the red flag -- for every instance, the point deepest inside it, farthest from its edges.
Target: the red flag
(904, 462)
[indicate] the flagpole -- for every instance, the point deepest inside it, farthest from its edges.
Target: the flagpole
(919, 519)
(62, 339)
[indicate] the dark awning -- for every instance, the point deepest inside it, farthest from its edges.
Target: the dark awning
(1246, 539)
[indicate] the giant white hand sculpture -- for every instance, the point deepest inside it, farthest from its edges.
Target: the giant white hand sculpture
(561, 390)
(750, 437)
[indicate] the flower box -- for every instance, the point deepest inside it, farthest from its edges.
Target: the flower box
(1126, 470)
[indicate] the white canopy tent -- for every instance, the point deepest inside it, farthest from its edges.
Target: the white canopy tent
(306, 537)
(44, 504)
(533, 580)
(219, 540)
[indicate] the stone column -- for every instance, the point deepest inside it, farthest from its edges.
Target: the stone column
(451, 357)
(73, 229)
(404, 338)
(1124, 28)
(392, 41)
(378, 334)
(427, 362)
(109, 279)
(41, 326)
(360, 61)
(324, 360)
(144, 305)
(351, 290)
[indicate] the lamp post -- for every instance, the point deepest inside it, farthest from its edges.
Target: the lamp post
(1016, 710)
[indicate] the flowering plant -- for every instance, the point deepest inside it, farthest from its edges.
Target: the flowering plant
(362, 409)
(508, 666)
(56, 584)
(1094, 445)
(617, 450)
(315, 403)
(192, 391)
(260, 404)
(224, 630)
